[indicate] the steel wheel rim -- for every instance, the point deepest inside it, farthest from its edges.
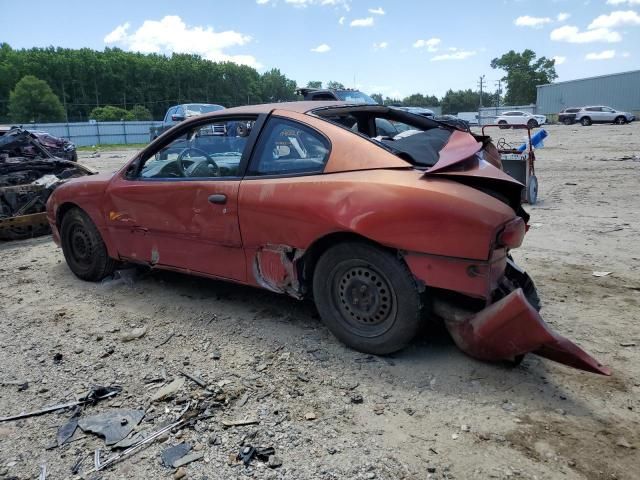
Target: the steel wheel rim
(80, 246)
(364, 298)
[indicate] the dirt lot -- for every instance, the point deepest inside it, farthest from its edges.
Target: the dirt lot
(427, 412)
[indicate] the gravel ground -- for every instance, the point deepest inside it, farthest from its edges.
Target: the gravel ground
(330, 412)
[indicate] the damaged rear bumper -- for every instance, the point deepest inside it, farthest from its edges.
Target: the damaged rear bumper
(510, 328)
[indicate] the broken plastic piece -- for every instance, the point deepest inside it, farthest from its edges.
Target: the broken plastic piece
(511, 328)
(114, 425)
(172, 454)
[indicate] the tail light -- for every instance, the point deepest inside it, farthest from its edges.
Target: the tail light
(512, 235)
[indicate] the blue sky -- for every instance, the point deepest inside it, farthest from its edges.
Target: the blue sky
(392, 47)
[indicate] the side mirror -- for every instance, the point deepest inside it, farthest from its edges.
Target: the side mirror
(177, 118)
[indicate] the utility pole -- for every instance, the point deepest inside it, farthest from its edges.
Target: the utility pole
(481, 84)
(499, 85)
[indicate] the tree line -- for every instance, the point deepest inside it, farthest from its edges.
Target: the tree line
(58, 84)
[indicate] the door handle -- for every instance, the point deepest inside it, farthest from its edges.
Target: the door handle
(218, 198)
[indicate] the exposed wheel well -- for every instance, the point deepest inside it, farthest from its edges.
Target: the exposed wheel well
(314, 252)
(62, 211)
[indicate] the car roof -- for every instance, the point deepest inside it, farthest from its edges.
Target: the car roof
(263, 108)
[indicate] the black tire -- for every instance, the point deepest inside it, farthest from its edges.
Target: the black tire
(585, 121)
(532, 190)
(367, 297)
(567, 121)
(503, 124)
(74, 156)
(532, 123)
(83, 247)
(620, 120)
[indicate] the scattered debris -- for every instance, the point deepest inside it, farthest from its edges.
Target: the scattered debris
(601, 274)
(239, 423)
(66, 431)
(134, 334)
(357, 398)
(378, 408)
(628, 344)
(168, 390)
(249, 452)
(310, 416)
(180, 473)
(274, 461)
(166, 340)
(172, 454)
(192, 457)
(114, 425)
(183, 419)
(43, 472)
(195, 379)
(95, 395)
(622, 442)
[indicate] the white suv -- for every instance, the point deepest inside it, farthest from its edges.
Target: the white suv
(588, 115)
(520, 118)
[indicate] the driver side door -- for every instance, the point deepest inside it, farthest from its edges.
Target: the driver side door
(177, 207)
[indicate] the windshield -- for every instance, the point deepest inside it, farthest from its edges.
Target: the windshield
(200, 108)
(355, 97)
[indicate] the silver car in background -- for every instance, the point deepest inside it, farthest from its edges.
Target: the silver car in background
(601, 114)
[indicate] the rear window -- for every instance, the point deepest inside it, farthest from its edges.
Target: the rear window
(355, 97)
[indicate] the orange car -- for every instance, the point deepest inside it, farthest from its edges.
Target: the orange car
(307, 199)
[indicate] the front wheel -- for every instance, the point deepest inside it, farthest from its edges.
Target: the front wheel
(503, 125)
(532, 124)
(567, 121)
(620, 121)
(367, 297)
(83, 248)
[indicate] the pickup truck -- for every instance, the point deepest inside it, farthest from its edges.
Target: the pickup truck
(178, 113)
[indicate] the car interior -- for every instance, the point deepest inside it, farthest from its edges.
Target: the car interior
(414, 138)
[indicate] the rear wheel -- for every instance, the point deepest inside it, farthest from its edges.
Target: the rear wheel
(83, 247)
(620, 120)
(367, 297)
(586, 121)
(503, 124)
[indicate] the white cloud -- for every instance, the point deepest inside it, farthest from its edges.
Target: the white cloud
(118, 34)
(456, 55)
(262, 2)
(604, 55)
(572, 34)
(152, 37)
(322, 48)
(560, 59)
(622, 2)
(341, 21)
(533, 22)
(362, 22)
(377, 11)
(431, 44)
(626, 54)
(562, 16)
(380, 46)
(616, 19)
(306, 3)
(299, 3)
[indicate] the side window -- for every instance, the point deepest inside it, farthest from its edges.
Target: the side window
(592, 109)
(212, 150)
(288, 147)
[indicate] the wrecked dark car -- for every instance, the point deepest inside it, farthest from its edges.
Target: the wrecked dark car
(28, 174)
(58, 147)
(310, 199)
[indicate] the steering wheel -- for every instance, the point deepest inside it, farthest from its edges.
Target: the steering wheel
(188, 150)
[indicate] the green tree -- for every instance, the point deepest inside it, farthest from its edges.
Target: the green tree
(377, 97)
(314, 84)
(140, 112)
(524, 73)
(458, 101)
(276, 87)
(32, 100)
(333, 85)
(420, 100)
(109, 113)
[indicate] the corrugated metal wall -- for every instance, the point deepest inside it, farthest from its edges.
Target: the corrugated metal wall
(86, 133)
(620, 91)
